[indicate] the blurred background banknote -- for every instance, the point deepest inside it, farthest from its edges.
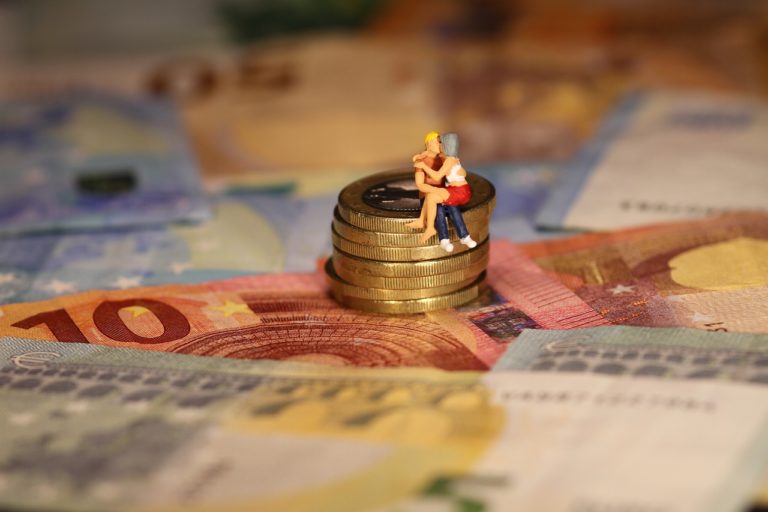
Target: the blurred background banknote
(666, 156)
(264, 86)
(249, 233)
(94, 160)
(164, 431)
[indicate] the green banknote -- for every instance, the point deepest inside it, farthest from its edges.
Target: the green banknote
(96, 428)
(642, 352)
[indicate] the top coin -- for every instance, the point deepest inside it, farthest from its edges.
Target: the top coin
(387, 201)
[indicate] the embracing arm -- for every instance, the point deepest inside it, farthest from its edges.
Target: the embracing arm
(422, 185)
(440, 173)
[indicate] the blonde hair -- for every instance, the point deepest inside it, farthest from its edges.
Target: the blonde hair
(431, 136)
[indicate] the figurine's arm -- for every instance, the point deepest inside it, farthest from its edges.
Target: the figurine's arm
(422, 185)
(420, 156)
(440, 173)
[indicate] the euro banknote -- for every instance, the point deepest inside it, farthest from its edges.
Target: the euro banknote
(642, 352)
(708, 274)
(291, 316)
(249, 233)
(666, 156)
(524, 100)
(353, 103)
(521, 189)
(92, 160)
(97, 428)
(645, 353)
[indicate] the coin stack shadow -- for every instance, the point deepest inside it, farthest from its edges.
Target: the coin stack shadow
(378, 263)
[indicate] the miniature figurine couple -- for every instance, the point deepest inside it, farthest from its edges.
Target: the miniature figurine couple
(442, 184)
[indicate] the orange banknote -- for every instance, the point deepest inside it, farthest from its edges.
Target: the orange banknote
(290, 316)
(709, 274)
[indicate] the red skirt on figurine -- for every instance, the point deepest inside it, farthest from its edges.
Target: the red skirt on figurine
(458, 196)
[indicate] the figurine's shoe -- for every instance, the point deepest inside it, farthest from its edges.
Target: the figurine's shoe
(446, 245)
(467, 240)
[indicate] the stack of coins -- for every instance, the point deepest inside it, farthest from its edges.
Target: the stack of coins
(379, 263)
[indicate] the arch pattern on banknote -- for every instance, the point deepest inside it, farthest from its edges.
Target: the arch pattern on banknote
(340, 337)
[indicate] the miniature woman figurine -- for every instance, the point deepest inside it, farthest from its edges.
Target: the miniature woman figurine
(443, 181)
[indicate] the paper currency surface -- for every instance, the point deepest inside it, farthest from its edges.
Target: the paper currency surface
(291, 316)
(316, 104)
(96, 428)
(521, 189)
(517, 101)
(666, 156)
(709, 274)
(645, 353)
(642, 352)
(87, 160)
(249, 233)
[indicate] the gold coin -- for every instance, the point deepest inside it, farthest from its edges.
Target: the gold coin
(376, 239)
(386, 202)
(404, 307)
(431, 252)
(345, 289)
(345, 264)
(409, 283)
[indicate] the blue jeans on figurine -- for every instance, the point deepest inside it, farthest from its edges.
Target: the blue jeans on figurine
(457, 219)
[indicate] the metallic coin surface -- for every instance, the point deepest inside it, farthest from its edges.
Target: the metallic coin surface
(378, 239)
(388, 201)
(400, 307)
(430, 252)
(343, 288)
(409, 283)
(345, 263)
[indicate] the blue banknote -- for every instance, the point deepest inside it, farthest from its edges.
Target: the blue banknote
(250, 233)
(521, 189)
(88, 160)
(665, 156)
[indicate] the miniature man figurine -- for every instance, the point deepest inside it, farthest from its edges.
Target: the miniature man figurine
(442, 182)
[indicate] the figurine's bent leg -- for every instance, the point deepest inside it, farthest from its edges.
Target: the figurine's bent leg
(419, 223)
(461, 228)
(457, 219)
(441, 224)
(425, 189)
(430, 203)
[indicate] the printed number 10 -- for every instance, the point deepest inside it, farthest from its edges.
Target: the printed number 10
(107, 320)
